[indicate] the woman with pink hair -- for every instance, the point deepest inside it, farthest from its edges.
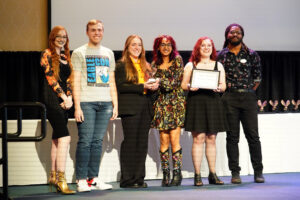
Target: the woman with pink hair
(205, 116)
(169, 107)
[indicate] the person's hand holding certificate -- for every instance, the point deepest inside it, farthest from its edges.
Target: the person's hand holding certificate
(205, 79)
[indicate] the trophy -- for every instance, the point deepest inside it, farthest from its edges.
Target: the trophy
(151, 74)
(261, 105)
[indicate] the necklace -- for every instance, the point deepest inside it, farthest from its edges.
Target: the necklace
(205, 62)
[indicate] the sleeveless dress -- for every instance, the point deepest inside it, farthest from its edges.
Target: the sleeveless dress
(169, 107)
(57, 116)
(205, 111)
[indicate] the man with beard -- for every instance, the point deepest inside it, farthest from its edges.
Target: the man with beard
(243, 75)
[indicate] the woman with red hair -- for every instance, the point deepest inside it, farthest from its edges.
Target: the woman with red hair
(134, 89)
(169, 107)
(57, 95)
(204, 114)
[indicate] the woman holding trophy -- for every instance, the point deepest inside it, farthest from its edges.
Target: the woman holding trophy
(134, 88)
(169, 107)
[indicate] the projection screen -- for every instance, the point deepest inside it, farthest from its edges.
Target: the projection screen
(270, 25)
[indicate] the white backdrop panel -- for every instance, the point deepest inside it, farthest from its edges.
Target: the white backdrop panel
(268, 24)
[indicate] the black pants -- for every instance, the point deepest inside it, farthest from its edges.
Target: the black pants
(242, 107)
(134, 147)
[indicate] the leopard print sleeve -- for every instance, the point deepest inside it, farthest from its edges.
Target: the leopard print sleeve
(46, 65)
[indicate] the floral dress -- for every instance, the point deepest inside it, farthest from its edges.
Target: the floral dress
(169, 107)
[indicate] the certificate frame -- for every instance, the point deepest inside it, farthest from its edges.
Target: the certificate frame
(205, 79)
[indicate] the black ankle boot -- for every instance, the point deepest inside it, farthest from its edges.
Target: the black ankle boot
(197, 180)
(164, 158)
(258, 177)
(213, 179)
(177, 162)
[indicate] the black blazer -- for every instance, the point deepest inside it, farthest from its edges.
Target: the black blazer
(131, 97)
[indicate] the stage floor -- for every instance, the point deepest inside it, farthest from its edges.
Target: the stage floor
(277, 186)
(279, 134)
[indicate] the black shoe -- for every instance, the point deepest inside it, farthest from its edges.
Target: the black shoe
(236, 179)
(214, 179)
(130, 186)
(143, 185)
(135, 185)
(198, 180)
(258, 177)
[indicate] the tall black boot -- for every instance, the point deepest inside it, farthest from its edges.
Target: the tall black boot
(177, 164)
(165, 166)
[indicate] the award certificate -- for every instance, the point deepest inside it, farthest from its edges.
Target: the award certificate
(205, 79)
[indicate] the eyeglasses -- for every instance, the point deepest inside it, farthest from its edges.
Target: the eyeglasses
(205, 46)
(166, 45)
(61, 37)
(235, 32)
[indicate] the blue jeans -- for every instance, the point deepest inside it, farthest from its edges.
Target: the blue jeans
(91, 133)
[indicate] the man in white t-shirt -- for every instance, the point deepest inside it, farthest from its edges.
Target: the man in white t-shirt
(95, 102)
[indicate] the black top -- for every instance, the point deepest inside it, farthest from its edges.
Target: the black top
(215, 68)
(131, 97)
(64, 74)
(241, 70)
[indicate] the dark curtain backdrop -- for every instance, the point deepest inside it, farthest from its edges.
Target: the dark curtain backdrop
(21, 78)
(280, 79)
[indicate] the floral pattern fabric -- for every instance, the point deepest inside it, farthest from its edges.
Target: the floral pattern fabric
(46, 65)
(242, 70)
(169, 107)
(164, 157)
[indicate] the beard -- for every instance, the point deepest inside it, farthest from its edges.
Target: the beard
(235, 43)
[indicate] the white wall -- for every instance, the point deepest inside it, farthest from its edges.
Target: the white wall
(269, 24)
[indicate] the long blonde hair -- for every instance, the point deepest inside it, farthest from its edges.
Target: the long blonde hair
(131, 72)
(54, 56)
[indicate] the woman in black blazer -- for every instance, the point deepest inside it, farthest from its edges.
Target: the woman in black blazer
(135, 108)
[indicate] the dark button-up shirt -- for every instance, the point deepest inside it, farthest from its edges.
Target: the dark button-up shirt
(242, 70)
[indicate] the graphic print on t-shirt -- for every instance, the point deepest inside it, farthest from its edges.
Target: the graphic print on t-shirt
(97, 70)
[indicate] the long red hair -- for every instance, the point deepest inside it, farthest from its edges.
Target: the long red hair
(131, 72)
(54, 56)
(196, 57)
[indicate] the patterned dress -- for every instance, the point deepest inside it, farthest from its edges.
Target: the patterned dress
(169, 107)
(52, 91)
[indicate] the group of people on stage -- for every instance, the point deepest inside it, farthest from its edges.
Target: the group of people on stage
(157, 95)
